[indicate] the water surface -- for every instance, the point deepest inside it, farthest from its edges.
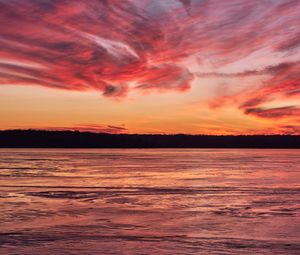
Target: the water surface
(152, 201)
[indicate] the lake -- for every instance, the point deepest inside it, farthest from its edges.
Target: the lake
(149, 201)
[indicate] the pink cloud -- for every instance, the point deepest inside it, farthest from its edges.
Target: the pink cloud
(283, 83)
(108, 45)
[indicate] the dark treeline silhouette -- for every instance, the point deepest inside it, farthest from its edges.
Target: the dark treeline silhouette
(75, 139)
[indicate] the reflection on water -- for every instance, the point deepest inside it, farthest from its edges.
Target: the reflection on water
(160, 201)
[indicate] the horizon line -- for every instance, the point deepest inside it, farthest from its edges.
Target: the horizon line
(160, 134)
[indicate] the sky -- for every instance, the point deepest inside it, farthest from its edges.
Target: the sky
(151, 66)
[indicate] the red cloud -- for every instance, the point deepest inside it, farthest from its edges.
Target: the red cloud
(92, 45)
(284, 83)
(109, 45)
(166, 77)
(285, 80)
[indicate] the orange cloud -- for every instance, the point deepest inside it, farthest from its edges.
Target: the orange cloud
(110, 129)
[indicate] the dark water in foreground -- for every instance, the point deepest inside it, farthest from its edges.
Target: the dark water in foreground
(160, 201)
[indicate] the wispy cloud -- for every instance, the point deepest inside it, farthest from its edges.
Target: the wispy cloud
(283, 83)
(273, 113)
(102, 45)
(110, 129)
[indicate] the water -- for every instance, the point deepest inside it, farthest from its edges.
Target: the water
(160, 201)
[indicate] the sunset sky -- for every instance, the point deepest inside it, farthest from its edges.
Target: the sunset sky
(151, 66)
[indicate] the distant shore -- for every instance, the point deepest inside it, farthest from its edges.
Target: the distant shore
(76, 139)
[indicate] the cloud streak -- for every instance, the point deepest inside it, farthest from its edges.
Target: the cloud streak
(274, 113)
(109, 129)
(283, 84)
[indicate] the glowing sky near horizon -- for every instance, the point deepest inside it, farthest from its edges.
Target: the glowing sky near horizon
(151, 66)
